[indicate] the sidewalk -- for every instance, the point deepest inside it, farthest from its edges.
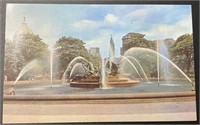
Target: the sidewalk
(63, 113)
(187, 116)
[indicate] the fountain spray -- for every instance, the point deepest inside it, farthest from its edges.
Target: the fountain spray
(158, 68)
(51, 63)
(103, 75)
(142, 50)
(31, 65)
(51, 67)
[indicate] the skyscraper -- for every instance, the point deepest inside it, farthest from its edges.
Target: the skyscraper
(112, 48)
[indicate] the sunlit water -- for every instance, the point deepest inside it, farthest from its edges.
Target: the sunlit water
(143, 51)
(30, 66)
(73, 62)
(144, 87)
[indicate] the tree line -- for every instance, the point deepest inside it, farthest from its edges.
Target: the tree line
(28, 47)
(20, 52)
(181, 50)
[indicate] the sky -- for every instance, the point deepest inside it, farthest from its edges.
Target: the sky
(95, 23)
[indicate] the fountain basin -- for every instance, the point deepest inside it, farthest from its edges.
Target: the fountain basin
(117, 81)
(41, 88)
(86, 84)
(89, 82)
(10, 91)
(170, 79)
(122, 84)
(105, 98)
(40, 91)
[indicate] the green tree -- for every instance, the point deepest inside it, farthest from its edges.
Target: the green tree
(32, 46)
(14, 60)
(21, 51)
(135, 40)
(183, 53)
(69, 49)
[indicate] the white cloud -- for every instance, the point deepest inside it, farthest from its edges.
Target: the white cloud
(44, 29)
(95, 32)
(100, 40)
(161, 31)
(83, 24)
(48, 33)
(110, 18)
(138, 14)
(142, 14)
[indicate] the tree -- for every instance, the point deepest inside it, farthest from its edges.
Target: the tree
(135, 40)
(69, 49)
(183, 53)
(32, 46)
(21, 51)
(14, 60)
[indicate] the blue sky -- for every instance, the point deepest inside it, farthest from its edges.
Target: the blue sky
(94, 24)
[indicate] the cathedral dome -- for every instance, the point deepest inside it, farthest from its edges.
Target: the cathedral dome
(24, 29)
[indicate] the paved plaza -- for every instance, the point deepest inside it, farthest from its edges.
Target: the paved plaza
(64, 113)
(111, 105)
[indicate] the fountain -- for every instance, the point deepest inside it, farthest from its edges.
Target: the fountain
(31, 65)
(51, 62)
(112, 77)
(162, 49)
(51, 67)
(103, 75)
(81, 74)
(72, 63)
(130, 72)
(140, 67)
(138, 52)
